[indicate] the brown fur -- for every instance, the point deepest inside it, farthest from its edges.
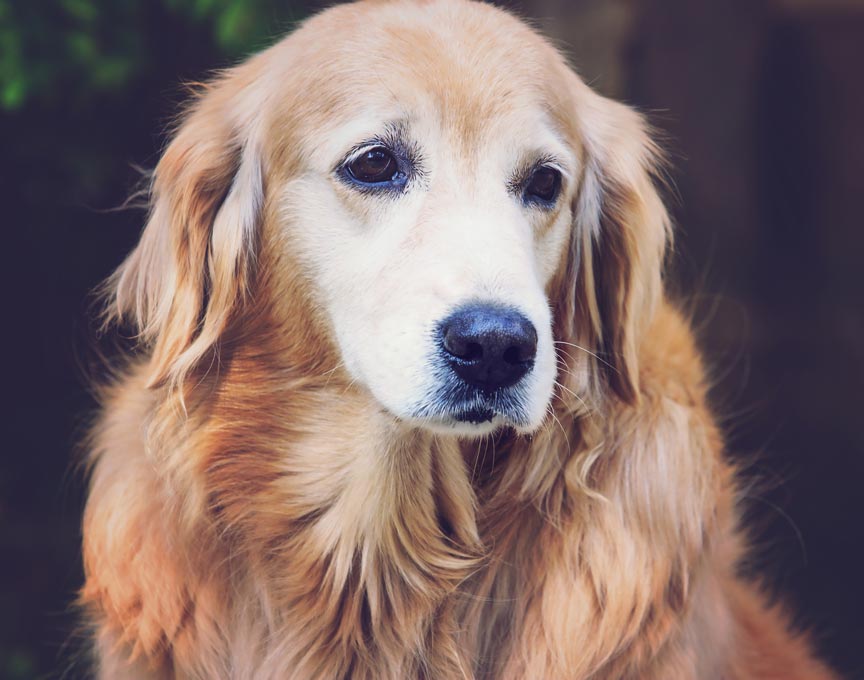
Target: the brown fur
(253, 513)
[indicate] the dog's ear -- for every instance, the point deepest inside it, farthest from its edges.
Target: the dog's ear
(619, 240)
(192, 267)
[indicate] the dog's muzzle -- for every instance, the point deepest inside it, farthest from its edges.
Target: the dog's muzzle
(485, 351)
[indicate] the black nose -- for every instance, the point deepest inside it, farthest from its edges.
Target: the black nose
(488, 346)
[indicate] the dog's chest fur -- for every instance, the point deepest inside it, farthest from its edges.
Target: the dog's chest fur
(291, 529)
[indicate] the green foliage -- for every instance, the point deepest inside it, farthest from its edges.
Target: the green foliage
(97, 46)
(17, 664)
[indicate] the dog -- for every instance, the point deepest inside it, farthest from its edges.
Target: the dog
(408, 398)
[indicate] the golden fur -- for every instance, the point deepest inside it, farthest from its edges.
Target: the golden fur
(255, 513)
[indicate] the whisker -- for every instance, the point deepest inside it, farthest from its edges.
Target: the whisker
(330, 373)
(588, 409)
(348, 386)
(563, 431)
(587, 351)
(485, 443)
(784, 515)
(565, 353)
(567, 389)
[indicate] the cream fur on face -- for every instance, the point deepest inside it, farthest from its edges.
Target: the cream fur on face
(390, 266)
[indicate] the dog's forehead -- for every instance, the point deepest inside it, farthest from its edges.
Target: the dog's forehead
(467, 67)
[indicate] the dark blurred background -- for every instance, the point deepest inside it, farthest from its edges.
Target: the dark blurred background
(761, 103)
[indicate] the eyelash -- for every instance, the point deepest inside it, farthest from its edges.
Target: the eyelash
(519, 183)
(392, 178)
(409, 163)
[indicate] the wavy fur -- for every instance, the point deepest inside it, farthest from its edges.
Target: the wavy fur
(254, 513)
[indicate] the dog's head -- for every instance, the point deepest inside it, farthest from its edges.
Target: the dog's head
(461, 219)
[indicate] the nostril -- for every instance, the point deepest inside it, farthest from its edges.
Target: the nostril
(460, 344)
(473, 351)
(522, 347)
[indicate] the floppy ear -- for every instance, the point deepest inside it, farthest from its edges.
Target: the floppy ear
(619, 239)
(192, 267)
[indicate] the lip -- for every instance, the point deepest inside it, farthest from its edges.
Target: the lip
(455, 406)
(475, 416)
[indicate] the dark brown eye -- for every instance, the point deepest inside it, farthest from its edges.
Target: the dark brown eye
(375, 166)
(543, 185)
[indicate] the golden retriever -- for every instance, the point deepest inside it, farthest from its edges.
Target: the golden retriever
(410, 400)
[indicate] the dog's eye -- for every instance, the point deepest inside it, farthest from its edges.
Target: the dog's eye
(374, 166)
(542, 186)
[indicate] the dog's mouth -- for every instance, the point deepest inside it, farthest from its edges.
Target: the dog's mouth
(472, 412)
(474, 416)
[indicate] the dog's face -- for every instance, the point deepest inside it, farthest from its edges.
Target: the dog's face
(441, 182)
(431, 248)
(431, 237)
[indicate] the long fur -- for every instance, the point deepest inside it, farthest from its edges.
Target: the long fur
(254, 513)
